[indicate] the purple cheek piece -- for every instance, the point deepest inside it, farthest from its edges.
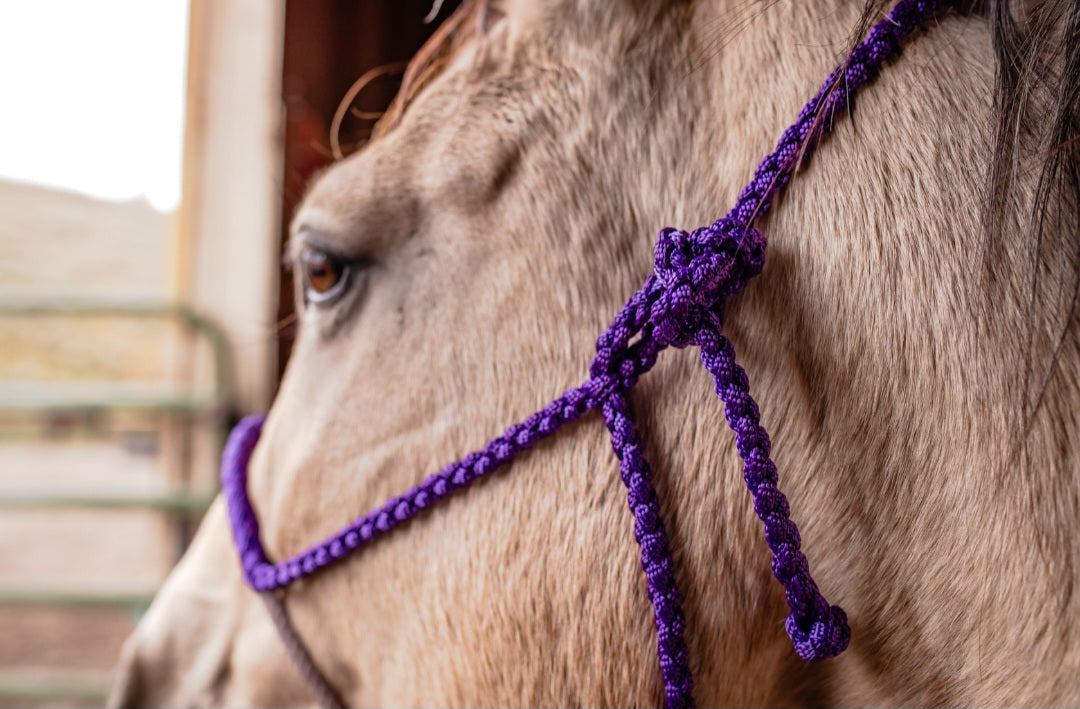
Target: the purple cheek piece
(681, 304)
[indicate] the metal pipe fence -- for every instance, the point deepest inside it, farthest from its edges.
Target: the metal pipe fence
(180, 506)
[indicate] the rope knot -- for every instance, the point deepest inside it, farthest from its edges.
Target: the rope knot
(697, 270)
(822, 638)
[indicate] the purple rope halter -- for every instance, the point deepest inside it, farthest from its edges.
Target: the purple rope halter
(681, 304)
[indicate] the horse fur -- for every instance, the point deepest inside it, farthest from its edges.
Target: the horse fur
(506, 216)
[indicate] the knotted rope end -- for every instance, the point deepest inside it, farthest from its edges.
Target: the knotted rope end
(821, 638)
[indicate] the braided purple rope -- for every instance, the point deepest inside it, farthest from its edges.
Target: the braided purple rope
(681, 304)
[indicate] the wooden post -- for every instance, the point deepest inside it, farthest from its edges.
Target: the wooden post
(230, 216)
(227, 245)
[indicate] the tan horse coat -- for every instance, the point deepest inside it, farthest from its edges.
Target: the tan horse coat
(505, 218)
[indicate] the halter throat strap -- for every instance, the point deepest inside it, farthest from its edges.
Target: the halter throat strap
(320, 686)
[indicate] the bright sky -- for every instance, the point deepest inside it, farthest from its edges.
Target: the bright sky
(92, 96)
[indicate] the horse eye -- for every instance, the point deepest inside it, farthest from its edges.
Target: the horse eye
(324, 275)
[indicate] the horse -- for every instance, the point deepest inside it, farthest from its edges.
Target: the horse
(912, 340)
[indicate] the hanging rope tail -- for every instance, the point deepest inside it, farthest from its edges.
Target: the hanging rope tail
(681, 304)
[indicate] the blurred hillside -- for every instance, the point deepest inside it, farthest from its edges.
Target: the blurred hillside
(55, 243)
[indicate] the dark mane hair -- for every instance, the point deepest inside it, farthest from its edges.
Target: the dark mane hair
(1037, 116)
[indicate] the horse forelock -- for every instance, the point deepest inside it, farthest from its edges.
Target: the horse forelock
(468, 22)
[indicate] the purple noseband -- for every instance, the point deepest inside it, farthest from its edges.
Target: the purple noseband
(681, 304)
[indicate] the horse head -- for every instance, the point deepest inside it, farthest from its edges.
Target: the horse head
(453, 276)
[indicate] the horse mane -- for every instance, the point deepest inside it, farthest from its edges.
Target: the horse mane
(1037, 116)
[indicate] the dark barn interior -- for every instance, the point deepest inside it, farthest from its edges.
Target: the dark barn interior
(329, 45)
